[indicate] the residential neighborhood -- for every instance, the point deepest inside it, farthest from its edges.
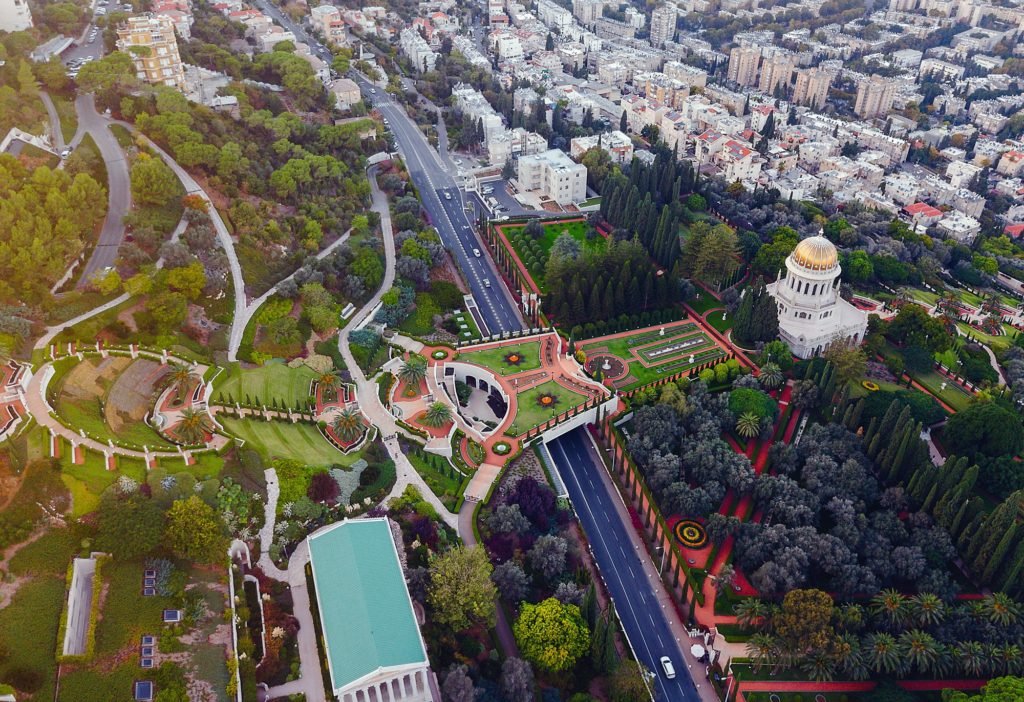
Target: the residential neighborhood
(511, 351)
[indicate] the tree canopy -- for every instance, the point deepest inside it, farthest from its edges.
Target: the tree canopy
(552, 635)
(461, 591)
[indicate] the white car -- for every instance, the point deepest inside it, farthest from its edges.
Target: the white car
(66, 152)
(476, 252)
(487, 283)
(666, 665)
(447, 196)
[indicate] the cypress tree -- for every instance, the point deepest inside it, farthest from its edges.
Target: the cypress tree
(873, 446)
(889, 418)
(995, 561)
(967, 535)
(847, 416)
(858, 412)
(870, 433)
(930, 499)
(588, 608)
(597, 642)
(610, 659)
(985, 542)
(1014, 572)
(963, 515)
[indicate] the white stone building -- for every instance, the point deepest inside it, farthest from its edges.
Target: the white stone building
(554, 175)
(15, 16)
(812, 315)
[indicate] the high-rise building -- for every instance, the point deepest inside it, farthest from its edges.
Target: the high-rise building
(15, 16)
(663, 25)
(588, 11)
(161, 64)
(874, 97)
(811, 87)
(776, 70)
(743, 63)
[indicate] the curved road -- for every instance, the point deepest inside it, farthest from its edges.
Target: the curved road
(119, 193)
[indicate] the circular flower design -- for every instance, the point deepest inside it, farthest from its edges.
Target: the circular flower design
(547, 400)
(439, 355)
(513, 358)
(870, 386)
(691, 534)
(501, 448)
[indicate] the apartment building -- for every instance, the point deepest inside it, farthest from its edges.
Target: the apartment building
(327, 20)
(420, 55)
(588, 11)
(811, 87)
(663, 25)
(15, 16)
(743, 64)
(618, 145)
(688, 75)
(776, 70)
(513, 143)
(471, 104)
(874, 97)
(553, 175)
(151, 43)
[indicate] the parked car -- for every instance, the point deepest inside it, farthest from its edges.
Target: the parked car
(66, 152)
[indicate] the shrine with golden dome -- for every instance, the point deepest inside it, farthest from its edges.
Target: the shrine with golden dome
(812, 315)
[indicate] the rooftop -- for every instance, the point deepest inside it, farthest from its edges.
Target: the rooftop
(365, 610)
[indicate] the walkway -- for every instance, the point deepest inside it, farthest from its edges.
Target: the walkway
(223, 235)
(506, 639)
(366, 389)
(310, 681)
(240, 322)
(35, 402)
(56, 132)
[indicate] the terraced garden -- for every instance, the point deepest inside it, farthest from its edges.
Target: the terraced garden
(542, 402)
(632, 360)
(506, 359)
(274, 381)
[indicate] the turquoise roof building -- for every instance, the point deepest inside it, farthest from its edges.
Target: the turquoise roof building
(373, 645)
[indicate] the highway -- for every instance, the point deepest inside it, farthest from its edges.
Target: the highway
(630, 580)
(441, 197)
(443, 201)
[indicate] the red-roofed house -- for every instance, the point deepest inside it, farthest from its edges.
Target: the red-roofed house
(922, 215)
(1013, 230)
(1011, 163)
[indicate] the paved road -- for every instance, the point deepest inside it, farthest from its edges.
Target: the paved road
(443, 201)
(51, 111)
(119, 197)
(652, 625)
(274, 12)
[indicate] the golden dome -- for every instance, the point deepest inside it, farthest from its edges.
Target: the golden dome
(816, 253)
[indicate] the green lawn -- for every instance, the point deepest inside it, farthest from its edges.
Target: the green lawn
(952, 395)
(715, 320)
(66, 113)
(440, 477)
(529, 413)
(706, 302)
(276, 439)
(467, 319)
(534, 254)
(996, 343)
(273, 381)
(622, 348)
(925, 296)
(494, 358)
(85, 414)
(28, 625)
(87, 481)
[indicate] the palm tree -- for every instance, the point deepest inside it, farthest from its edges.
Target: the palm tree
(771, 375)
(927, 609)
(991, 305)
(1000, 609)
(748, 425)
(920, 649)
(181, 377)
(819, 667)
(348, 425)
(972, 658)
(891, 606)
(437, 415)
(329, 380)
(192, 426)
(852, 658)
(751, 613)
(414, 370)
(763, 649)
(1007, 660)
(883, 653)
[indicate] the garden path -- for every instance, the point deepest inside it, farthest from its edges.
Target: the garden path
(366, 389)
